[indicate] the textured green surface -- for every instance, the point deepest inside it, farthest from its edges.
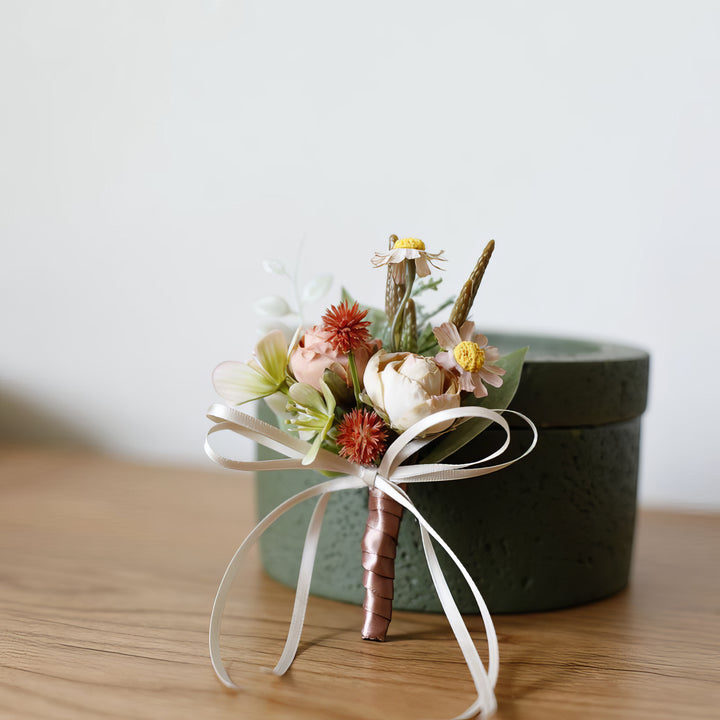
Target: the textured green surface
(554, 530)
(567, 383)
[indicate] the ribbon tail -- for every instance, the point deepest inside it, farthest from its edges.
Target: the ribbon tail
(303, 586)
(231, 572)
(486, 704)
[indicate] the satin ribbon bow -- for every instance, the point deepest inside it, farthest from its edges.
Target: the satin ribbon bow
(386, 477)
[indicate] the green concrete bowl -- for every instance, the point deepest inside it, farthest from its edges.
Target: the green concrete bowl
(553, 530)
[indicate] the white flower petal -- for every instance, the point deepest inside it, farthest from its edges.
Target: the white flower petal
(277, 402)
(402, 395)
(371, 379)
(465, 331)
(491, 378)
(272, 305)
(381, 258)
(421, 267)
(316, 288)
(447, 336)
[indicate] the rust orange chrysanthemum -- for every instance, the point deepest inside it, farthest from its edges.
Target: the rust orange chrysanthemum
(362, 436)
(347, 328)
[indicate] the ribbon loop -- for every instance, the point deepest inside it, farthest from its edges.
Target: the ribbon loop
(392, 470)
(368, 475)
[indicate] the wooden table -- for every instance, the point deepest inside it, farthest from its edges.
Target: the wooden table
(108, 572)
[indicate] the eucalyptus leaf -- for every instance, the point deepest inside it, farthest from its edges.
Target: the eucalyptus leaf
(273, 267)
(497, 399)
(317, 287)
(272, 305)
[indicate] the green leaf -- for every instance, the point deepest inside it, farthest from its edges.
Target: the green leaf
(497, 399)
(427, 344)
(425, 285)
(424, 316)
(343, 394)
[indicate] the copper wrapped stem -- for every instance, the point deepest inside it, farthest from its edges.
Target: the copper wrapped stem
(379, 546)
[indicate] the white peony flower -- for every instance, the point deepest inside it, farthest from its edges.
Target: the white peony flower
(404, 388)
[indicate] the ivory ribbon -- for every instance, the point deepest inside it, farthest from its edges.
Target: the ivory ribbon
(385, 478)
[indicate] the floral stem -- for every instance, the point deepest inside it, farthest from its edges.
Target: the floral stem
(379, 544)
(354, 375)
(397, 320)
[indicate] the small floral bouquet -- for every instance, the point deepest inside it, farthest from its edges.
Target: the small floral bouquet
(382, 397)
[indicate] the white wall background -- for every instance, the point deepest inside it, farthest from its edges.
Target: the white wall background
(153, 153)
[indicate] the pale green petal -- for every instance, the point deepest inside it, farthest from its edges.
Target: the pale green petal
(271, 353)
(307, 396)
(312, 453)
(238, 383)
(329, 399)
(294, 343)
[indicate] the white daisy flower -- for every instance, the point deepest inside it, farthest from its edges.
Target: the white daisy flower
(470, 356)
(408, 249)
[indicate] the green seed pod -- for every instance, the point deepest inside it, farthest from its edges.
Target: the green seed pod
(393, 291)
(409, 339)
(463, 304)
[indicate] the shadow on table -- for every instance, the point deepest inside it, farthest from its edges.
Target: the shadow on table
(29, 422)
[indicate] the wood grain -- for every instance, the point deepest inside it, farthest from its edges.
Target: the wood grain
(108, 572)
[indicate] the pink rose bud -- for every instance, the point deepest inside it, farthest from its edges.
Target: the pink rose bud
(314, 354)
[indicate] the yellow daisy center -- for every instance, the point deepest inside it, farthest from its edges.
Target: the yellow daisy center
(410, 243)
(469, 356)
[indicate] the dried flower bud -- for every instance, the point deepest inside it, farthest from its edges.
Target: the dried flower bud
(463, 304)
